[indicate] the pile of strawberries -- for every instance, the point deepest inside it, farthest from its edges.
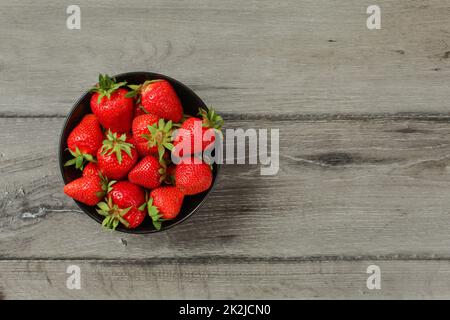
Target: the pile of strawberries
(124, 151)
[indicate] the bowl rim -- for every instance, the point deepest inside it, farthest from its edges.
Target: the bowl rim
(62, 143)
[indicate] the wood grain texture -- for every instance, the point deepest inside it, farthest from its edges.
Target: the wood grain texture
(364, 151)
(312, 56)
(223, 280)
(345, 188)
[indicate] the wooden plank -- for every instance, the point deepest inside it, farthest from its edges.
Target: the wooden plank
(177, 279)
(308, 56)
(345, 188)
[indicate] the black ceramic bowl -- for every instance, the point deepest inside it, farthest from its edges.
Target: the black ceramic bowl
(191, 103)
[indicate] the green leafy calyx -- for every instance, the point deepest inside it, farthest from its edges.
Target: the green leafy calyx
(106, 185)
(113, 214)
(79, 159)
(136, 89)
(154, 214)
(160, 135)
(116, 144)
(106, 86)
(211, 119)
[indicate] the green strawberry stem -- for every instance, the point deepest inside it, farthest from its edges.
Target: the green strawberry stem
(211, 119)
(113, 214)
(143, 109)
(134, 92)
(143, 206)
(106, 86)
(116, 144)
(160, 136)
(106, 185)
(153, 212)
(136, 89)
(79, 159)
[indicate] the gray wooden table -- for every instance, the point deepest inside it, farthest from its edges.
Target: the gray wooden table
(364, 148)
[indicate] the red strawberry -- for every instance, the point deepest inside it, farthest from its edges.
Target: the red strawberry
(140, 130)
(88, 190)
(164, 204)
(134, 217)
(126, 194)
(149, 173)
(111, 106)
(197, 130)
(131, 217)
(117, 156)
(91, 169)
(192, 178)
(158, 97)
(84, 141)
(152, 135)
(122, 206)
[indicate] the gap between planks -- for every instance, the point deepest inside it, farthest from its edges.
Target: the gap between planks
(290, 116)
(215, 259)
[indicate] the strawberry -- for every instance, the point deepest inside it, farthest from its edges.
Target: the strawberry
(91, 169)
(195, 130)
(158, 97)
(152, 135)
(134, 217)
(164, 204)
(88, 190)
(84, 141)
(139, 128)
(149, 173)
(111, 106)
(122, 206)
(192, 178)
(117, 156)
(130, 217)
(126, 194)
